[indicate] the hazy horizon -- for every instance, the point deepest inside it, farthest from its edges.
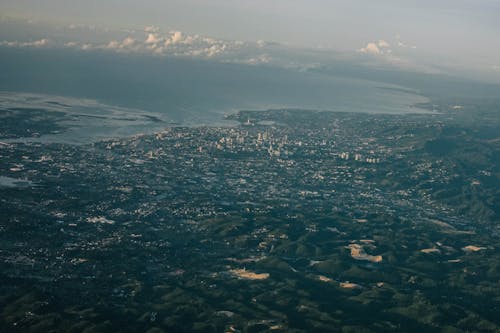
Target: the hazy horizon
(451, 37)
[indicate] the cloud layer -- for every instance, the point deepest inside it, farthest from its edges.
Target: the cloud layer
(151, 40)
(377, 48)
(37, 43)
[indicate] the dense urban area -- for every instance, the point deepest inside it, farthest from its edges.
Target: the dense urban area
(288, 220)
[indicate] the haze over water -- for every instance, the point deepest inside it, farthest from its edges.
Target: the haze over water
(195, 92)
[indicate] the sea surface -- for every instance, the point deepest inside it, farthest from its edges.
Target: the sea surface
(131, 95)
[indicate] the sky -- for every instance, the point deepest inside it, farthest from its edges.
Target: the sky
(458, 34)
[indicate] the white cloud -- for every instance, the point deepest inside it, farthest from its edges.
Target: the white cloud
(261, 59)
(153, 38)
(172, 43)
(261, 43)
(114, 45)
(379, 47)
(177, 37)
(215, 50)
(87, 47)
(77, 26)
(151, 29)
(383, 44)
(371, 48)
(189, 40)
(37, 43)
(128, 42)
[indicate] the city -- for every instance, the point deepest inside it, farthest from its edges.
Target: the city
(253, 226)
